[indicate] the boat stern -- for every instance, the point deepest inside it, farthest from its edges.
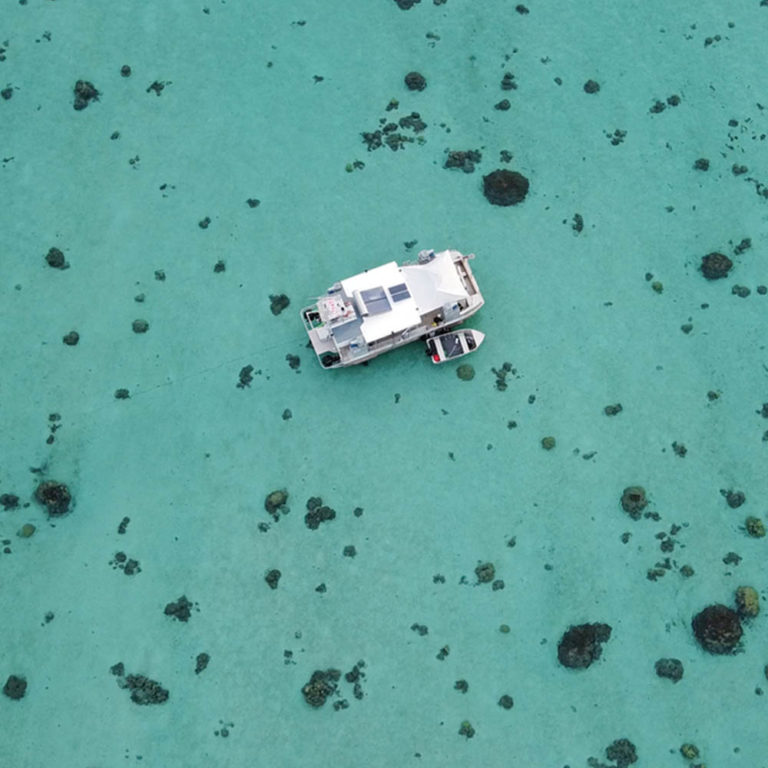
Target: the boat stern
(320, 337)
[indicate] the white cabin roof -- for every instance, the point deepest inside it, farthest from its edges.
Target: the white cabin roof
(392, 298)
(383, 299)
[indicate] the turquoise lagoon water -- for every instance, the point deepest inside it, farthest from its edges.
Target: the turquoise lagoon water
(429, 476)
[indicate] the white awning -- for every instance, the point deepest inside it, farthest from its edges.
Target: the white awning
(435, 283)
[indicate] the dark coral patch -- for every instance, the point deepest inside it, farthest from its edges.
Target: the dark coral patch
(504, 187)
(55, 258)
(715, 266)
(181, 609)
(581, 645)
(672, 669)
(54, 496)
(634, 501)
(717, 628)
(321, 685)
(85, 93)
(415, 81)
(145, 691)
(15, 687)
(278, 302)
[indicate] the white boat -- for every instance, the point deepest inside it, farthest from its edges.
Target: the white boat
(389, 306)
(453, 344)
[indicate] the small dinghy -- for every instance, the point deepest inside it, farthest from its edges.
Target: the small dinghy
(453, 344)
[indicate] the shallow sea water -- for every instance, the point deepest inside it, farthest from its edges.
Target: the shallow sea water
(429, 476)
